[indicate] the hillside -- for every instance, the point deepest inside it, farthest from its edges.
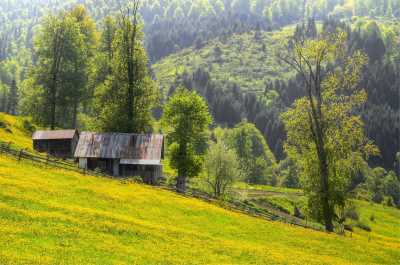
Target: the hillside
(49, 216)
(248, 60)
(227, 66)
(18, 131)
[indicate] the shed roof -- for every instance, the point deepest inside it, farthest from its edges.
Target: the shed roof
(54, 135)
(133, 147)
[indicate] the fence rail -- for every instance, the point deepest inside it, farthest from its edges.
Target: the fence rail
(21, 154)
(232, 205)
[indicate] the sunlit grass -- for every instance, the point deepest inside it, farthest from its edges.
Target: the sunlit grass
(245, 186)
(50, 216)
(14, 132)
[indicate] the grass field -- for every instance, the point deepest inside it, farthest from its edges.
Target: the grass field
(12, 130)
(58, 217)
(50, 216)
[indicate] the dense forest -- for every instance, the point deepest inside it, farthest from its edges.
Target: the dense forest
(114, 65)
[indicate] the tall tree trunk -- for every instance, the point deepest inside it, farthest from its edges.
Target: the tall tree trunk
(53, 102)
(130, 40)
(324, 172)
(182, 172)
(57, 57)
(181, 183)
(75, 114)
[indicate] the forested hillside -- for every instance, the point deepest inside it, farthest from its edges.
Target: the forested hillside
(217, 32)
(271, 86)
(288, 108)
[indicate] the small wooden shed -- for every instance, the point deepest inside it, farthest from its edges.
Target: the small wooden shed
(122, 154)
(60, 143)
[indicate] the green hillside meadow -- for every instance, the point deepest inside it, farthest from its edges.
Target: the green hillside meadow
(49, 216)
(256, 64)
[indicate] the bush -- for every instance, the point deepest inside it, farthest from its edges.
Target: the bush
(377, 197)
(4, 125)
(351, 213)
(298, 213)
(133, 179)
(372, 218)
(390, 202)
(28, 126)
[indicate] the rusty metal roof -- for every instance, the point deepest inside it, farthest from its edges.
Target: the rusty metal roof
(120, 146)
(54, 135)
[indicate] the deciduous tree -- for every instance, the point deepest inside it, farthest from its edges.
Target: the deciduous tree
(128, 95)
(186, 119)
(323, 135)
(221, 168)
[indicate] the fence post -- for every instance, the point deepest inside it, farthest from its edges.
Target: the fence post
(8, 148)
(20, 154)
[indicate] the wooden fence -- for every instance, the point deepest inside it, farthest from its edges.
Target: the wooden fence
(24, 155)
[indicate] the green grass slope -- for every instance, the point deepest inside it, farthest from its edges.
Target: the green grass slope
(18, 131)
(57, 217)
(242, 58)
(50, 216)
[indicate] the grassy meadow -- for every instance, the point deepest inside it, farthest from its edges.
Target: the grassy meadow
(49, 216)
(12, 130)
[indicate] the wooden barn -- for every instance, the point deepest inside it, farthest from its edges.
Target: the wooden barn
(61, 143)
(121, 154)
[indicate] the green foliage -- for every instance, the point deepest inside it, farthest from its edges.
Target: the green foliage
(221, 168)
(289, 173)
(250, 71)
(186, 120)
(381, 183)
(57, 83)
(125, 93)
(257, 163)
(28, 126)
(324, 136)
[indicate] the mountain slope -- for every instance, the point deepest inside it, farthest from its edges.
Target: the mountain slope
(247, 59)
(50, 216)
(18, 131)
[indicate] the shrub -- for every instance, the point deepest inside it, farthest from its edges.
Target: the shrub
(372, 218)
(377, 197)
(298, 213)
(133, 179)
(390, 202)
(4, 125)
(28, 126)
(351, 213)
